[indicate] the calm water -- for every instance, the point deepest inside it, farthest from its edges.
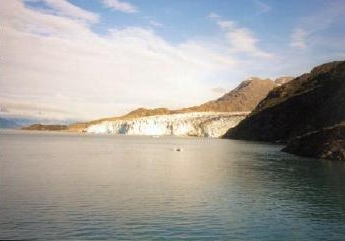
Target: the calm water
(71, 186)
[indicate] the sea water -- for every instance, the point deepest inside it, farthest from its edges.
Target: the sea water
(80, 186)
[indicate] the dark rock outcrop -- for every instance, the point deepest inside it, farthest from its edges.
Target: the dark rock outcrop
(308, 103)
(307, 112)
(327, 143)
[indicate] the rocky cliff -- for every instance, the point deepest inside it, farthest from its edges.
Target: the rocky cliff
(327, 143)
(308, 103)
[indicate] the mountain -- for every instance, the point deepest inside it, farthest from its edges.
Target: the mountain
(141, 112)
(306, 104)
(242, 99)
(8, 124)
(283, 80)
(212, 118)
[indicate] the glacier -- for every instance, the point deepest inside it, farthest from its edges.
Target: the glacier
(204, 124)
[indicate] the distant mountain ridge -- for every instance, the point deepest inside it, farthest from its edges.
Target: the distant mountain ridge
(8, 124)
(40, 127)
(243, 98)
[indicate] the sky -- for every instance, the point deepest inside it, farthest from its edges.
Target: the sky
(83, 60)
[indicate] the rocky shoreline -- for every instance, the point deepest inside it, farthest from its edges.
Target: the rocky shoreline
(328, 143)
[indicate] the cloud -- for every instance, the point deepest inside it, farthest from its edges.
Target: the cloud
(298, 38)
(64, 8)
(57, 60)
(311, 28)
(54, 65)
(16, 108)
(242, 39)
(261, 7)
(155, 23)
(214, 15)
(226, 24)
(120, 6)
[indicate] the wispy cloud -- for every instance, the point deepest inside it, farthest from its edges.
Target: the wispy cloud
(226, 24)
(64, 8)
(213, 15)
(298, 38)
(309, 29)
(51, 55)
(31, 109)
(122, 6)
(155, 23)
(241, 39)
(261, 7)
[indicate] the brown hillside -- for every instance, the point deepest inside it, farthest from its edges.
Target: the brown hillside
(308, 103)
(244, 97)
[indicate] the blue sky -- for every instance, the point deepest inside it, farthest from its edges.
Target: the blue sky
(88, 59)
(185, 19)
(182, 20)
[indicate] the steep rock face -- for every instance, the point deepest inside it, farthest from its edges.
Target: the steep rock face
(327, 143)
(308, 103)
(208, 124)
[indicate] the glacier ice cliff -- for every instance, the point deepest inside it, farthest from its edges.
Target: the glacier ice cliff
(206, 124)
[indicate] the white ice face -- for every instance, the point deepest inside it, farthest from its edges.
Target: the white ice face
(208, 124)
